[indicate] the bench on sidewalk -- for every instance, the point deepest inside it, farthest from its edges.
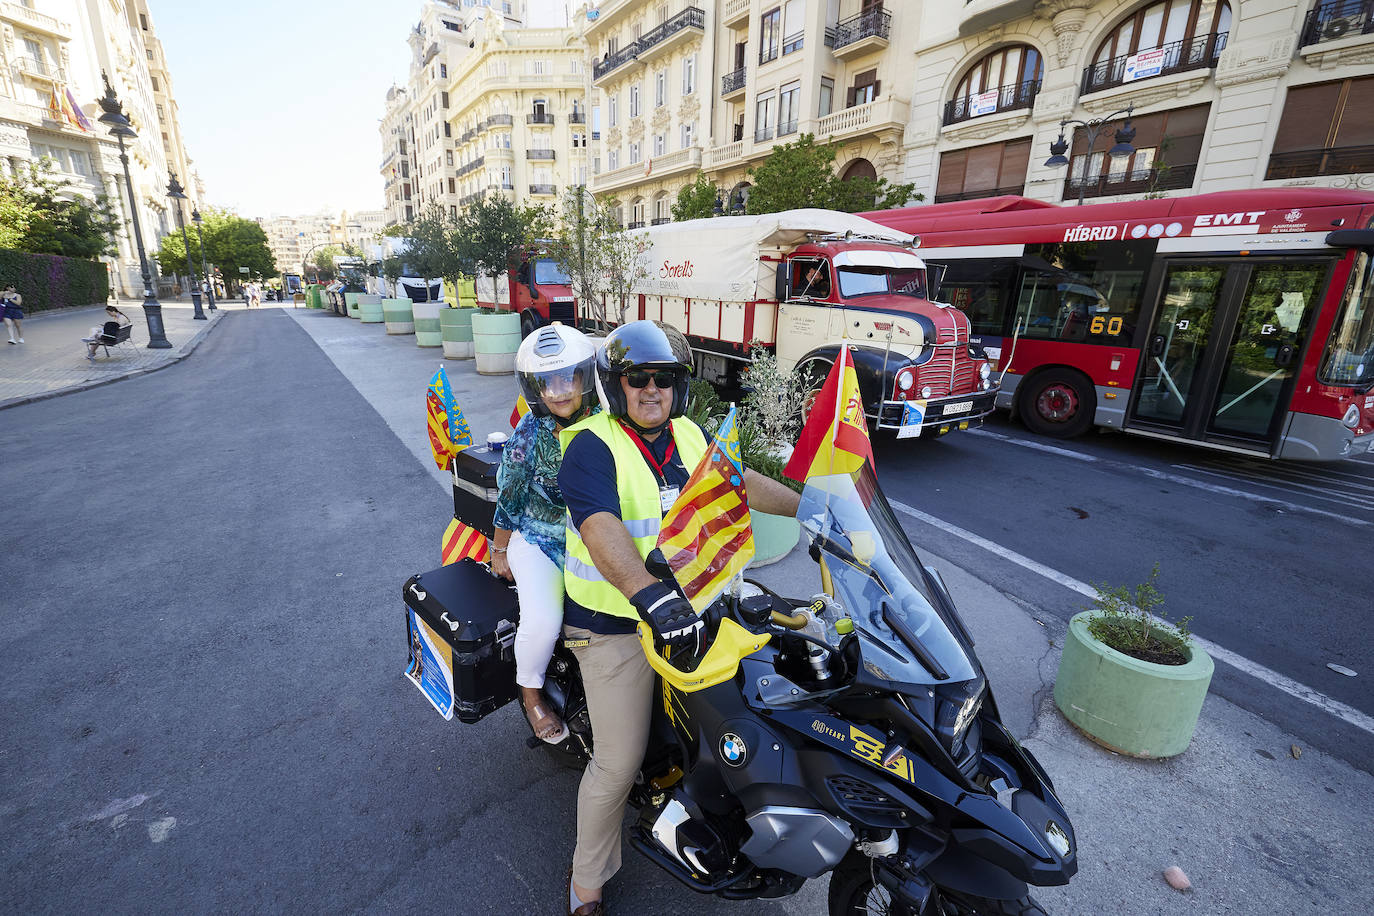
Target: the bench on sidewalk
(107, 340)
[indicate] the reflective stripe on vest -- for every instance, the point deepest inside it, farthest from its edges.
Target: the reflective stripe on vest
(640, 508)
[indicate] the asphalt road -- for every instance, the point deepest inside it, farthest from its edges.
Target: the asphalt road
(1269, 560)
(207, 647)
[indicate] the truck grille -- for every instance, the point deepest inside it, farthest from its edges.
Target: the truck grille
(562, 311)
(948, 371)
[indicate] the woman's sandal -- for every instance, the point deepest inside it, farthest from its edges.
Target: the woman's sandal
(539, 714)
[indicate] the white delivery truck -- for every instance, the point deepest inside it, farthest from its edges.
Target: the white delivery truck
(804, 282)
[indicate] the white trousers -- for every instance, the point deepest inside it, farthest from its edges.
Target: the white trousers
(539, 582)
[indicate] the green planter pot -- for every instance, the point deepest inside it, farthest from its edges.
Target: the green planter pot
(495, 339)
(351, 304)
(398, 317)
(456, 325)
(428, 333)
(774, 537)
(1127, 705)
(370, 309)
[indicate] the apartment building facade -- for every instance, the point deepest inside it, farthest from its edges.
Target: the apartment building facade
(398, 165)
(1223, 95)
(519, 116)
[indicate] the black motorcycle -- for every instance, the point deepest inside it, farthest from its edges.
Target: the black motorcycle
(852, 733)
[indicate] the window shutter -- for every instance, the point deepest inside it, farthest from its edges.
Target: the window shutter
(849, 97)
(877, 88)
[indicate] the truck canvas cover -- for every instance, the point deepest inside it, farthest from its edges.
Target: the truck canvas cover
(719, 258)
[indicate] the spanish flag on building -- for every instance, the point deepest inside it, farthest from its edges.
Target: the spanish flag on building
(835, 437)
(706, 537)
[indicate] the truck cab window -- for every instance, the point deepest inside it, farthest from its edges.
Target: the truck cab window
(811, 279)
(547, 271)
(869, 281)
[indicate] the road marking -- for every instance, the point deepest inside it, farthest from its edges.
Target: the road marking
(1239, 662)
(1172, 478)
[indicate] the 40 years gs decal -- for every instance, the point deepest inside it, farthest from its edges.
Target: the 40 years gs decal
(861, 744)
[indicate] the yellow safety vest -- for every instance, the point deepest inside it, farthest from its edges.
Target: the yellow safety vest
(640, 509)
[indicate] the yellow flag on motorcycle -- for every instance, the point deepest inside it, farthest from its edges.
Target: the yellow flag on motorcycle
(706, 536)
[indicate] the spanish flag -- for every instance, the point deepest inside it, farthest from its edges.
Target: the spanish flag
(448, 430)
(706, 537)
(460, 542)
(521, 408)
(74, 113)
(835, 437)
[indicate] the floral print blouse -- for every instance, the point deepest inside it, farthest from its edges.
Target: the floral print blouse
(529, 500)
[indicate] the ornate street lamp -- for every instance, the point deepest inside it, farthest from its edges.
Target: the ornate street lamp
(204, 270)
(120, 128)
(1095, 128)
(177, 193)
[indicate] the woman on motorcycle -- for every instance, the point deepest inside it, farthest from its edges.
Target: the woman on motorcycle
(556, 369)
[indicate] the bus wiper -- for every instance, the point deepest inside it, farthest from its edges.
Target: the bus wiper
(899, 626)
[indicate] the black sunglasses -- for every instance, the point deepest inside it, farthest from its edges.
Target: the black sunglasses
(663, 378)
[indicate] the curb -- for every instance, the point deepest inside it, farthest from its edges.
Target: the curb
(190, 348)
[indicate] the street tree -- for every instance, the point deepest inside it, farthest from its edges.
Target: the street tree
(435, 249)
(43, 214)
(802, 174)
(489, 234)
(602, 259)
(323, 262)
(696, 200)
(232, 242)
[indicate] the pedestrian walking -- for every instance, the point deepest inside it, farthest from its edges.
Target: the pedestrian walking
(10, 309)
(254, 295)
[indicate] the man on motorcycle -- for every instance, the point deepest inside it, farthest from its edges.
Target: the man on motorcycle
(622, 470)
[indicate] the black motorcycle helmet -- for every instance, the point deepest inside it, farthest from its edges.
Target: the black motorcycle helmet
(643, 345)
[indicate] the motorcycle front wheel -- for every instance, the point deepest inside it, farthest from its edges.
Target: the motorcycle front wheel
(854, 892)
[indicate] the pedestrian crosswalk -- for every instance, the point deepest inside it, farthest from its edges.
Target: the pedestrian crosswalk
(1348, 484)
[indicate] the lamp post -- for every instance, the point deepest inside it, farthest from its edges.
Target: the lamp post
(177, 193)
(1094, 127)
(120, 128)
(205, 271)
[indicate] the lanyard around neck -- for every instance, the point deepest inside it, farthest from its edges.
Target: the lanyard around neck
(654, 464)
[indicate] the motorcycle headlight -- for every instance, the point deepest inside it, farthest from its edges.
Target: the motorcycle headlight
(984, 371)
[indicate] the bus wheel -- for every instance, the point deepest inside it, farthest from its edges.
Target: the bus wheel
(1059, 403)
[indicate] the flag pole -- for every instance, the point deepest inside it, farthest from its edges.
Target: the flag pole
(839, 396)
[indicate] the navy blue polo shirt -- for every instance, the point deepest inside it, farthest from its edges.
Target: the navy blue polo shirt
(588, 481)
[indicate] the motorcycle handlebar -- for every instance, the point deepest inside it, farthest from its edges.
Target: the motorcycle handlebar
(790, 621)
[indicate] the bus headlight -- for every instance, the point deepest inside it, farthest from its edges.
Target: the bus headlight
(984, 371)
(1351, 418)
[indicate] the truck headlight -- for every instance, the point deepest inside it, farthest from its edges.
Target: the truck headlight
(925, 392)
(984, 371)
(906, 379)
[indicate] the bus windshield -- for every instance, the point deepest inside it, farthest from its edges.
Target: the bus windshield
(868, 281)
(1349, 358)
(547, 271)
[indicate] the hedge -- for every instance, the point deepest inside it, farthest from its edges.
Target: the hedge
(49, 281)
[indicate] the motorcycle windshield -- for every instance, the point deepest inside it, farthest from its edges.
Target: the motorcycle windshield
(877, 578)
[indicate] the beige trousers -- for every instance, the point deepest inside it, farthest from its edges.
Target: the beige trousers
(620, 694)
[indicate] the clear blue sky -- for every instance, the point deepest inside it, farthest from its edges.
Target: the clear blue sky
(280, 99)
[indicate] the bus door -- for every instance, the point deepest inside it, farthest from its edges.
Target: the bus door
(1224, 346)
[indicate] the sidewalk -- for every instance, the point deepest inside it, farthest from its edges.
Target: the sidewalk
(52, 359)
(1256, 828)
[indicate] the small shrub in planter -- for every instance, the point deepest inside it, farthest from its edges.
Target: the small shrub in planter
(1129, 621)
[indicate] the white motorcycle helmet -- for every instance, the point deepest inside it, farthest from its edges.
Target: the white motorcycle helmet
(557, 361)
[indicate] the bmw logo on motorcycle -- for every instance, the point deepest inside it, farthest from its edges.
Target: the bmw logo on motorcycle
(732, 749)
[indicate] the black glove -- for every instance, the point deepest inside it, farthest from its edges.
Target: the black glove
(670, 616)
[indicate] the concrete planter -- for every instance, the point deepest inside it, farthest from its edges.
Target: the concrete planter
(370, 309)
(495, 339)
(456, 325)
(351, 304)
(774, 537)
(398, 317)
(428, 333)
(1134, 707)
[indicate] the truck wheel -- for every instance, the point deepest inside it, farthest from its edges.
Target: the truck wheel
(1059, 403)
(529, 323)
(813, 373)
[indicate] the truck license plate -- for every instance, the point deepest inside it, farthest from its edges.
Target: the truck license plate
(957, 407)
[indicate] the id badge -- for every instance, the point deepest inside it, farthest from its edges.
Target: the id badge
(666, 497)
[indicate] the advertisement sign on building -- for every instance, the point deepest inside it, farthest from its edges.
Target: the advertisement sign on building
(1143, 64)
(983, 103)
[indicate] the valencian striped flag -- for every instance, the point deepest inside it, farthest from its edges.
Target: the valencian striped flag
(461, 541)
(835, 437)
(706, 537)
(448, 430)
(521, 408)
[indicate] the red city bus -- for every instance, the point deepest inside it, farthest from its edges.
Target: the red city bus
(1239, 320)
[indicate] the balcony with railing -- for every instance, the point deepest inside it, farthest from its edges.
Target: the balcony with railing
(539, 154)
(863, 33)
(886, 113)
(577, 117)
(734, 11)
(672, 33)
(1310, 163)
(1010, 97)
(635, 224)
(539, 117)
(1334, 21)
(792, 43)
(1017, 189)
(1135, 181)
(683, 160)
(466, 136)
(544, 189)
(471, 167)
(505, 119)
(660, 220)
(32, 67)
(787, 127)
(732, 83)
(763, 134)
(612, 62)
(503, 186)
(1197, 53)
(38, 22)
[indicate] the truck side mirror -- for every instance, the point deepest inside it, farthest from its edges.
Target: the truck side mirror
(935, 278)
(782, 289)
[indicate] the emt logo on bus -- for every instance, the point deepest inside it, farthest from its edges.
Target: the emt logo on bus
(1226, 223)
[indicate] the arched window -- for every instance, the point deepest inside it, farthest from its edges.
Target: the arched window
(1168, 36)
(662, 211)
(1003, 80)
(859, 168)
(636, 213)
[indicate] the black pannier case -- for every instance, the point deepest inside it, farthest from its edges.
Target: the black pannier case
(476, 613)
(474, 487)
